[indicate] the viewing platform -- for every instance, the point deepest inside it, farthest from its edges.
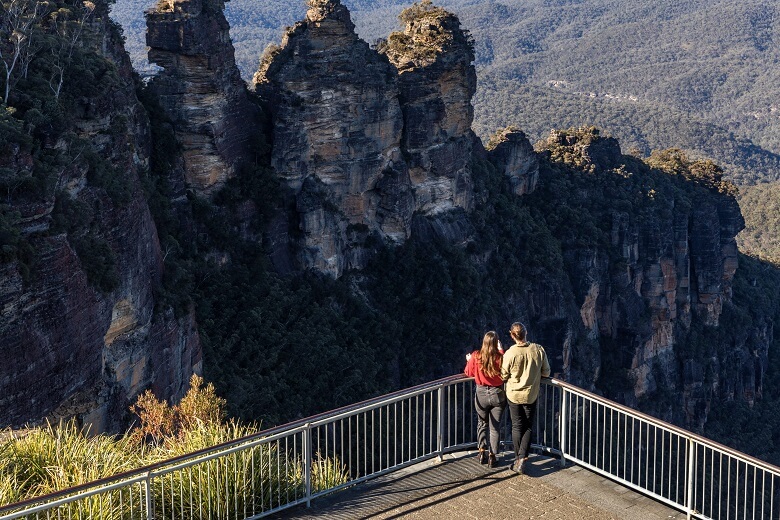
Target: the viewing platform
(409, 454)
(460, 487)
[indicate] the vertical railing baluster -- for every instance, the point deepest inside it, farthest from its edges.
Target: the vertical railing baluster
(562, 429)
(307, 462)
(689, 476)
(440, 426)
(149, 497)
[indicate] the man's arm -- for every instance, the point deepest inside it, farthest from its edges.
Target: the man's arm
(545, 364)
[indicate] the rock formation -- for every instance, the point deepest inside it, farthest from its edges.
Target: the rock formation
(360, 147)
(70, 347)
(336, 141)
(667, 263)
(437, 80)
(201, 89)
(511, 152)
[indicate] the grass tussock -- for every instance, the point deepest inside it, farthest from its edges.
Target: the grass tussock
(44, 460)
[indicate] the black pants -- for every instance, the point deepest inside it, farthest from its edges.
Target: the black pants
(490, 402)
(522, 421)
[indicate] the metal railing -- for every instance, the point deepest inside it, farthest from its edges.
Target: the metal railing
(295, 463)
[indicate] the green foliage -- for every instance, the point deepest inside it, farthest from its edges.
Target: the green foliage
(39, 461)
(703, 172)
(429, 36)
(43, 460)
(760, 205)
(286, 347)
(13, 245)
(98, 261)
(77, 219)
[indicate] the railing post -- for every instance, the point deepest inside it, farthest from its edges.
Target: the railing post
(149, 497)
(690, 477)
(307, 462)
(440, 434)
(562, 429)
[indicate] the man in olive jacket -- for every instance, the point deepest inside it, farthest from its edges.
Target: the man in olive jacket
(522, 369)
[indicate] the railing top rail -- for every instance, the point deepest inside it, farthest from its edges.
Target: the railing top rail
(287, 427)
(663, 424)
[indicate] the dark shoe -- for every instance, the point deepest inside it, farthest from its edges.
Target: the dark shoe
(491, 460)
(482, 456)
(518, 466)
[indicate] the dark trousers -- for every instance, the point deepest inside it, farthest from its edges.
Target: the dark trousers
(490, 402)
(522, 421)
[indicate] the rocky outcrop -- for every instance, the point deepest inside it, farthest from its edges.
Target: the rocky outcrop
(510, 151)
(336, 138)
(80, 335)
(362, 146)
(201, 89)
(437, 80)
(660, 276)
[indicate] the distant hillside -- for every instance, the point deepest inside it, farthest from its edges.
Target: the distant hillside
(761, 208)
(688, 73)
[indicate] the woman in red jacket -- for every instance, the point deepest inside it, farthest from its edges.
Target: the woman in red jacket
(484, 366)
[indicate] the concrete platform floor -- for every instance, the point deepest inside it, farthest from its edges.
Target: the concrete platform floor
(459, 487)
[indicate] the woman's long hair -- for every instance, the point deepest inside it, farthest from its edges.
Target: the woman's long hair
(488, 354)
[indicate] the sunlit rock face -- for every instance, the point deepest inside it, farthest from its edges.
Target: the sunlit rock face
(365, 139)
(437, 81)
(657, 275)
(201, 89)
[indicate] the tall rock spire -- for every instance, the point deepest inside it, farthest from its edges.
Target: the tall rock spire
(336, 144)
(201, 89)
(437, 81)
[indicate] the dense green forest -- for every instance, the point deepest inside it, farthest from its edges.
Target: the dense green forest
(760, 206)
(693, 74)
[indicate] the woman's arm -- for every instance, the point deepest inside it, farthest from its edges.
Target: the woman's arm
(471, 365)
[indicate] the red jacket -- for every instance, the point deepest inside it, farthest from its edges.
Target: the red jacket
(474, 369)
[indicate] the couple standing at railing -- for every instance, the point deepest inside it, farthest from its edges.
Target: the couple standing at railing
(512, 379)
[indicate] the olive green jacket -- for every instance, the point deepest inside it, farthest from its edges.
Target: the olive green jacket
(522, 369)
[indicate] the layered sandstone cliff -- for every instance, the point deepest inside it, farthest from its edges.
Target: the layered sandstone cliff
(337, 127)
(201, 89)
(437, 80)
(661, 266)
(363, 146)
(74, 346)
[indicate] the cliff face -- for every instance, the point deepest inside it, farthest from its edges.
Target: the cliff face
(80, 336)
(658, 272)
(336, 138)
(201, 90)
(360, 147)
(512, 154)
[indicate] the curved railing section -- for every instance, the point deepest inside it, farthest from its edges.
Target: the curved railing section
(292, 464)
